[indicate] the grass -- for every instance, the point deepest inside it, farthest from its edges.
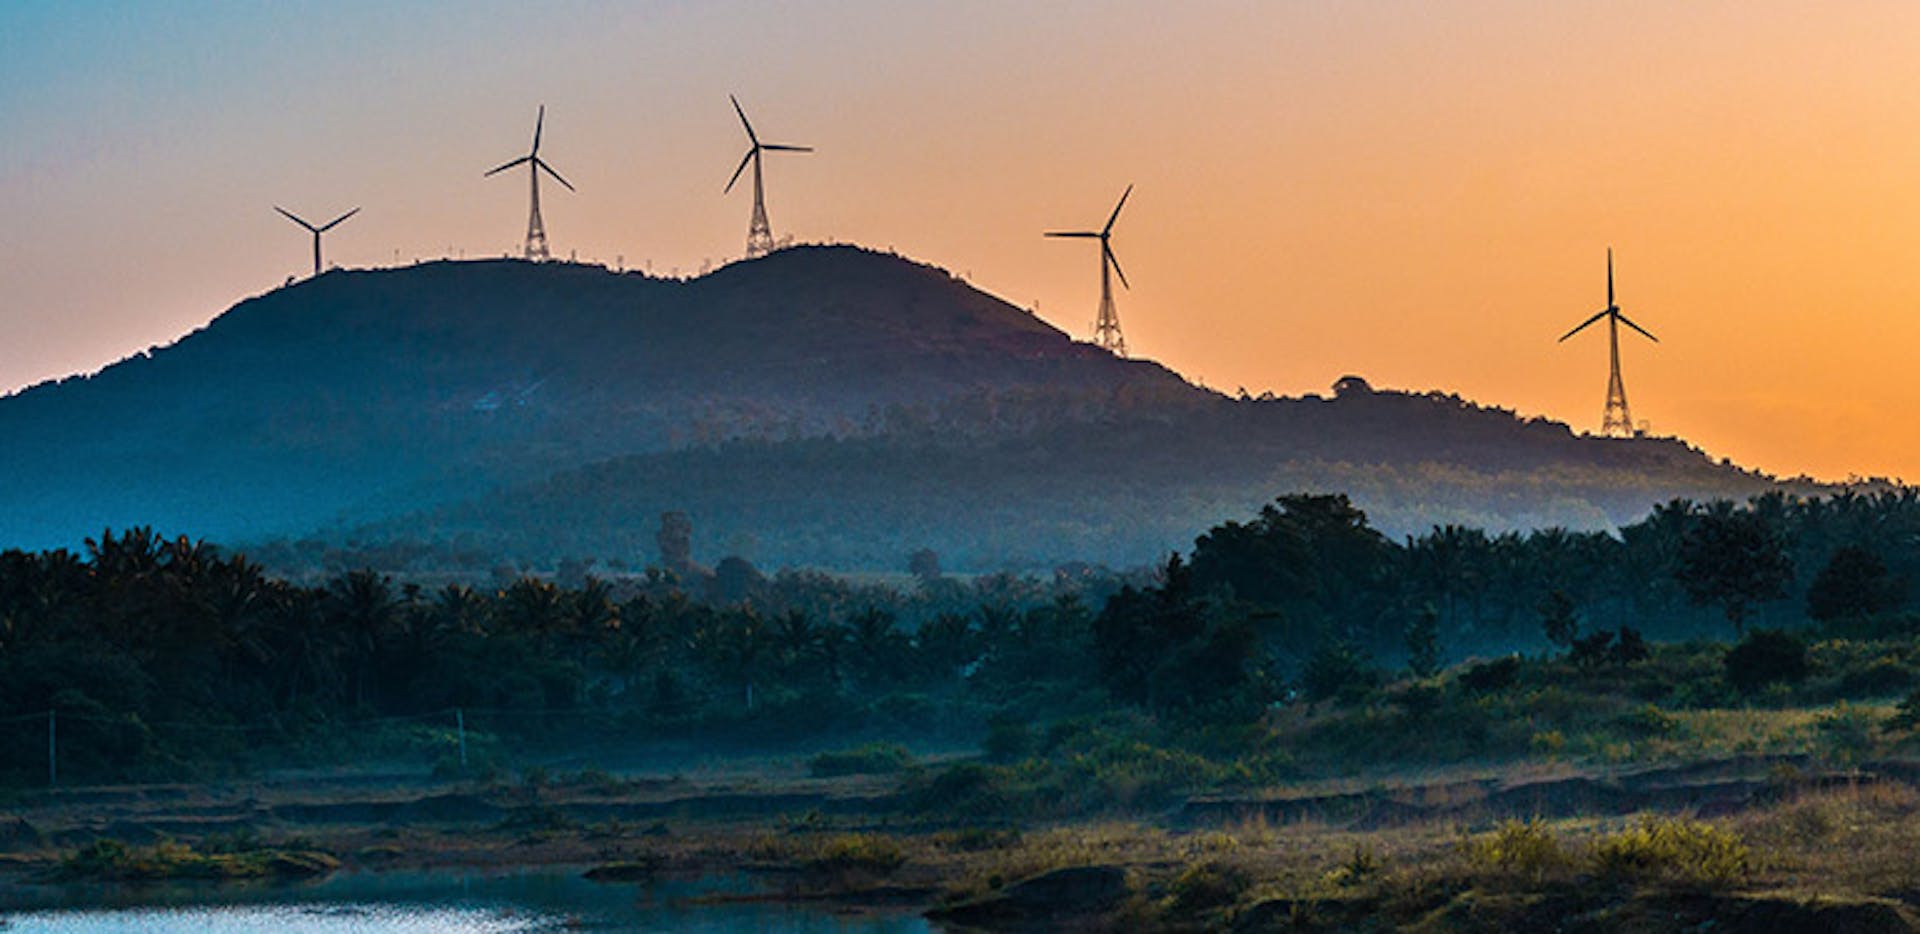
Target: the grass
(109, 860)
(869, 759)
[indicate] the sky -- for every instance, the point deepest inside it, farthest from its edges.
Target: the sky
(1419, 193)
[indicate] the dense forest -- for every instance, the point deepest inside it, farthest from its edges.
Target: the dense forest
(166, 657)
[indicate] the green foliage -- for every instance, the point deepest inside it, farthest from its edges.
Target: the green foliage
(869, 853)
(1854, 584)
(1735, 559)
(1517, 849)
(1487, 677)
(1557, 619)
(1764, 657)
(1423, 643)
(1674, 850)
(109, 860)
(1337, 670)
(869, 759)
(1846, 734)
(1008, 739)
(1208, 884)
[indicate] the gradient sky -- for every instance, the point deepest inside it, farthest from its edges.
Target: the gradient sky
(1421, 193)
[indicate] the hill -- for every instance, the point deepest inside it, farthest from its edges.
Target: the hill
(1121, 486)
(821, 405)
(358, 393)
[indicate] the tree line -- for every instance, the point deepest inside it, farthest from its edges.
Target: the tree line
(174, 657)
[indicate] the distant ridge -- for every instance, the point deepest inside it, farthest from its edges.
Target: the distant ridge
(831, 404)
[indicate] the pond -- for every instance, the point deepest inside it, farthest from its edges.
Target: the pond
(486, 902)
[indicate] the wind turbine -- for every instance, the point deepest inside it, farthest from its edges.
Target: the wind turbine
(759, 234)
(536, 248)
(1106, 327)
(1617, 423)
(316, 231)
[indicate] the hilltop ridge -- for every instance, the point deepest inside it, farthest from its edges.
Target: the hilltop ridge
(833, 403)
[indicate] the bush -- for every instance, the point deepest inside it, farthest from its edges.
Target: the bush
(1208, 884)
(857, 852)
(1674, 850)
(870, 759)
(1337, 670)
(1008, 739)
(1496, 675)
(1524, 849)
(1766, 656)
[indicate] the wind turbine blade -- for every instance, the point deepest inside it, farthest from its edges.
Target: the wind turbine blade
(1610, 302)
(538, 122)
(1092, 234)
(542, 163)
(1583, 325)
(743, 120)
(508, 166)
(786, 148)
(1116, 210)
(1629, 323)
(336, 221)
(736, 172)
(289, 216)
(1115, 260)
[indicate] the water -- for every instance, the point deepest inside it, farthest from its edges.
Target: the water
(423, 902)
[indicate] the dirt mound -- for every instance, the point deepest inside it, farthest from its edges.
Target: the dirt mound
(1065, 899)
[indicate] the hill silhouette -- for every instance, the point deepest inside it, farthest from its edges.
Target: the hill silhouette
(821, 405)
(357, 392)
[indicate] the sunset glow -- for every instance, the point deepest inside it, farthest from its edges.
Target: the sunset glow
(1419, 193)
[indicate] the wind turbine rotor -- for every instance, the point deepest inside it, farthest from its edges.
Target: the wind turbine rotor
(541, 164)
(538, 122)
(336, 221)
(503, 168)
(751, 152)
(1610, 302)
(743, 121)
(1623, 319)
(289, 216)
(1583, 325)
(1116, 211)
(1115, 260)
(775, 147)
(1092, 234)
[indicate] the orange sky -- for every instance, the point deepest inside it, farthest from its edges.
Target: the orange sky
(1420, 193)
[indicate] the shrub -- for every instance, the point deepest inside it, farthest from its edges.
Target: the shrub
(1648, 720)
(857, 852)
(1495, 675)
(1845, 733)
(870, 759)
(1008, 739)
(1337, 670)
(1675, 850)
(1766, 656)
(1208, 884)
(1525, 849)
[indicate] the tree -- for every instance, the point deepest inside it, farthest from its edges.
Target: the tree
(924, 565)
(1557, 619)
(1733, 558)
(1423, 643)
(1765, 657)
(676, 542)
(1853, 585)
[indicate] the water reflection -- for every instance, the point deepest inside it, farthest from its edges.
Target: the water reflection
(463, 901)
